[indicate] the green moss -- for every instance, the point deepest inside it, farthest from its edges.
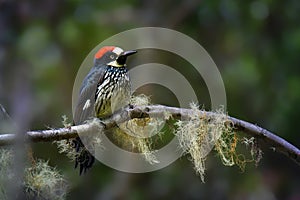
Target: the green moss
(201, 134)
(44, 182)
(40, 180)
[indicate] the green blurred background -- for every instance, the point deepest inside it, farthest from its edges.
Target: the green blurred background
(255, 44)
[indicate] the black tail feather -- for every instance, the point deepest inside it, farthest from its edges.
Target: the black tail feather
(84, 159)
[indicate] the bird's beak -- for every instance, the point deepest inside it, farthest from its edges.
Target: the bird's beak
(128, 53)
(122, 58)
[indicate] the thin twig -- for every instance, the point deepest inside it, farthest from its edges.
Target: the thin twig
(157, 111)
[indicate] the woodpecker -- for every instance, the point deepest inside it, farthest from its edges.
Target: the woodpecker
(104, 90)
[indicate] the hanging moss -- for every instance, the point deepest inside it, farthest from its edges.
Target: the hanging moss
(201, 134)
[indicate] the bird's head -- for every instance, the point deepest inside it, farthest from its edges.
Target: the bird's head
(112, 56)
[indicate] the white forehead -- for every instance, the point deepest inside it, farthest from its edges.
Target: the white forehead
(118, 50)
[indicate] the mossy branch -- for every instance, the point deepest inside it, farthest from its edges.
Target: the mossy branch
(275, 142)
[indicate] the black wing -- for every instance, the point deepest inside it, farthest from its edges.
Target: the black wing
(84, 111)
(86, 101)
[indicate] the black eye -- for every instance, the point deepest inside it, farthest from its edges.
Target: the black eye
(112, 56)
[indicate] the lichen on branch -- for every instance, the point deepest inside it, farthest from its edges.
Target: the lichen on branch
(164, 112)
(200, 134)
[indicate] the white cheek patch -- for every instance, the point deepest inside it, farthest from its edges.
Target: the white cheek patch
(87, 104)
(118, 50)
(115, 64)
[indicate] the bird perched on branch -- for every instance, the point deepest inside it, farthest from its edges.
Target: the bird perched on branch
(104, 90)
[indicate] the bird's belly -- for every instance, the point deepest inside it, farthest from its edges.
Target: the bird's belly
(111, 101)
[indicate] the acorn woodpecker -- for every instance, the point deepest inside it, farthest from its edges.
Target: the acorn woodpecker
(104, 90)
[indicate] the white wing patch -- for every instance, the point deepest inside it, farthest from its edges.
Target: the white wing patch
(87, 104)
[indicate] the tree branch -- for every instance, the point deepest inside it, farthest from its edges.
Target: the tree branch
(157, 111)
